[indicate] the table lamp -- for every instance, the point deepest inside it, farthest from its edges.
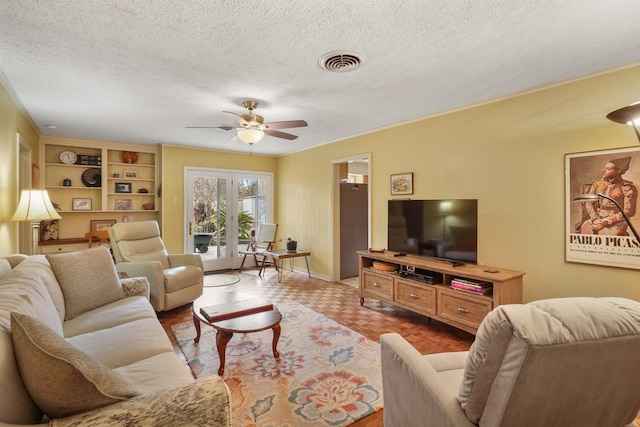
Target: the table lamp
(35, 206)
(591, 197)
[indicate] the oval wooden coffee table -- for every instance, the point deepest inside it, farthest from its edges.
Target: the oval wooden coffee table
(235, 309)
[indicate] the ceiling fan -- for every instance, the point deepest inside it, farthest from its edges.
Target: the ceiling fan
(252, 128)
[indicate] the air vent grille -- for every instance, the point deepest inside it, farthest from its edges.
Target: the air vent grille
(340, 62)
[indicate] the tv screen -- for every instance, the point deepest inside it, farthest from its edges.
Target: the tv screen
(446, 229)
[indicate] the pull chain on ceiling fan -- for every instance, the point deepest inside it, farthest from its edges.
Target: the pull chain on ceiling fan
(252, 127)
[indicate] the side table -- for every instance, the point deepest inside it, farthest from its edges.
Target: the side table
(280, 255)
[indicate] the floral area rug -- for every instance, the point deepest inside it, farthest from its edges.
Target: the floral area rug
(327, 374)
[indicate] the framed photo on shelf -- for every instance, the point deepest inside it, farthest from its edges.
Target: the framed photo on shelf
(123, 187)
(82, 204)
(49, 229)
(402, 184)
(124, 204)
(597, 231)
(130, 173)
(101, 224)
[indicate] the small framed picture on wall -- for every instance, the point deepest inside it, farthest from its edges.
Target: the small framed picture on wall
(402, 184)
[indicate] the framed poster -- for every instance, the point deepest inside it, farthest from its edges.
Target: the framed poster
(600, 230)
(401, 183)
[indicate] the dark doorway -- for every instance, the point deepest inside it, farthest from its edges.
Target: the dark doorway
(354, 228)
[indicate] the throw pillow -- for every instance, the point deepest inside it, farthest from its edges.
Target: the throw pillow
(61, 379)
(88, 279)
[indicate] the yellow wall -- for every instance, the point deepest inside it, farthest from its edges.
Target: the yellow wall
(174, 161)
(12, 122)
(508, 154)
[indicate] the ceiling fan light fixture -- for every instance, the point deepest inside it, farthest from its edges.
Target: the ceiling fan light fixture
(250, 136)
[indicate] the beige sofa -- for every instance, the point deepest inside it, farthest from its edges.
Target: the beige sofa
(558, 362)
(86, 348)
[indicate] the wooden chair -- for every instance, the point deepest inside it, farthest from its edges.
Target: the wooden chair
(102, 236)
(263, 242)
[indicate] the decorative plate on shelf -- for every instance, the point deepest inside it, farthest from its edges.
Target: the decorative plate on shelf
(129, 156)
(92, 178)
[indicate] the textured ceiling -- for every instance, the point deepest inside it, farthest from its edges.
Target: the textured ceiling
(140, 71)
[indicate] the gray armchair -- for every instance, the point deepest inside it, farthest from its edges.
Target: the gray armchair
(557, 362)
(138, 250)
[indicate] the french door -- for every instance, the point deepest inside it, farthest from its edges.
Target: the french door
(222, 209)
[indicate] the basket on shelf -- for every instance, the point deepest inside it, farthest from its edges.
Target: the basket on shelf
(384, 266)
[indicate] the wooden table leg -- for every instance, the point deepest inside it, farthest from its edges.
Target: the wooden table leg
(276, 337)
(222, 338)
(196, 323)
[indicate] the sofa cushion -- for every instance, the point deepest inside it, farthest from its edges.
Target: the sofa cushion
(61, 379)
(107, 316)
(88, 279)
(38, 264)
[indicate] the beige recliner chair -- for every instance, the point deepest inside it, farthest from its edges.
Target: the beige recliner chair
(174, 280)
(557, 362)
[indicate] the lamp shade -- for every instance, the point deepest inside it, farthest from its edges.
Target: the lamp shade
(250, 136)
(35, 205)
(629, 115)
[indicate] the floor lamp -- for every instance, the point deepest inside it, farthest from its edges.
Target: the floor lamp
(629, 115)
(35, 206)
(590, 197)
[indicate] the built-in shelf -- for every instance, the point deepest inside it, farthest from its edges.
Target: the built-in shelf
(143, 174)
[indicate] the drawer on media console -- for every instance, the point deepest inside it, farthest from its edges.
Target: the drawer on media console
(377, 284)
(459, 306)
(421, 298)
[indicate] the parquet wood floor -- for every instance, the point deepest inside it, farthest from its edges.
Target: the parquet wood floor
(340, 302)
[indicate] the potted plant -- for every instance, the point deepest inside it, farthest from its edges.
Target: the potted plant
(292, 245)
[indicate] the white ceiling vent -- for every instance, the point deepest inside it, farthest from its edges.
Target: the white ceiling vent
(340, 61)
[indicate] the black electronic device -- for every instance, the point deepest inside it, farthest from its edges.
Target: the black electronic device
(445, 229)
(399, 254)
(420, 275)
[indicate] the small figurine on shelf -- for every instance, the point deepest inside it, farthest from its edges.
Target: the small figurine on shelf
(292, 245)
(66, 182)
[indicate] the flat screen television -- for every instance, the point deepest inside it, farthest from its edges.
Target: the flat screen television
(445, 229)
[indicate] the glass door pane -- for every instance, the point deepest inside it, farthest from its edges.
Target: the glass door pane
(211, 231)
(220, 218)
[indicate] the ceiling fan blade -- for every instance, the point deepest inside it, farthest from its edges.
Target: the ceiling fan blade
(223, 127)
(234, 138)
(237, 118)
(279, 134)
(287, 124)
